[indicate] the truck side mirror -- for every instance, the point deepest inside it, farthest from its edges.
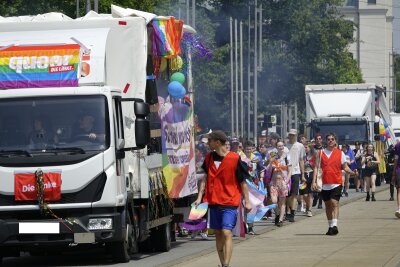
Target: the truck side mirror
(142, 125)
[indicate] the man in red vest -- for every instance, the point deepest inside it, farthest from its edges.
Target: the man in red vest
(223, 186)
(331, 160)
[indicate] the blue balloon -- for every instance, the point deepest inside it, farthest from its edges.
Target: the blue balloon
(385, 124)
(176, 90)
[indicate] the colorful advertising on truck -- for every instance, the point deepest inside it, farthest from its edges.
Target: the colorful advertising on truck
(37, 66)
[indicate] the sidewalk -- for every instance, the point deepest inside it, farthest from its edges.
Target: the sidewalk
(369, 235)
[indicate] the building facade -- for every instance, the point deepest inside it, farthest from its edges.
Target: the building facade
(373, 46)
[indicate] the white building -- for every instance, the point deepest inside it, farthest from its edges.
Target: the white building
(373, 46)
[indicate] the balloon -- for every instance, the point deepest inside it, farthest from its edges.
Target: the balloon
(178, 77)
(381, 129)
(176, 63)
(163, 64)
(377, 118)
(176, 90)
(383, 138)
(385, 124)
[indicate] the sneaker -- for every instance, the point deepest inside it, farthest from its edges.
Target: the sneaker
(309, 213)
(276, 220)
(397, 213)
(391, 199)
(373, 198)
(332, 231)
(291, 218)
(279, 224)
(251, 232)
(367, 198)
(335, 230)
(320, 206)
(303, 210)
(346, 194)
(204, 236)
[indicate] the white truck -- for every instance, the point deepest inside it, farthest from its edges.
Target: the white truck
(349, 110)
(77, 187)
(396, 125)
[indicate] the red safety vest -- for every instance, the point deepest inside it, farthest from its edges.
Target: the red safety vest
(222, 187)
(332, 167)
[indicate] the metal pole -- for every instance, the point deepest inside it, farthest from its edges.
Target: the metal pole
(236, 80)
(194, 13)
(248, 76)
(260, 40)
(241, 82)
(96, 6)
(88, 6)
(77, 9)
(231, 50)
(296, 122)
(187, 12)
(255, 75)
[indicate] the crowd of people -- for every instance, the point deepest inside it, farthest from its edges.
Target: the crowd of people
(296, 173)
(286, 168)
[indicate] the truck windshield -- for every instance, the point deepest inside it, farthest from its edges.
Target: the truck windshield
(346, 132)
(53, 125)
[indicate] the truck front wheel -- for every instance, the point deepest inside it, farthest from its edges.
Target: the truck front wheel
(121, 251)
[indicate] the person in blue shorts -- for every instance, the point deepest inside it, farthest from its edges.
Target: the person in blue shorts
(223, 187)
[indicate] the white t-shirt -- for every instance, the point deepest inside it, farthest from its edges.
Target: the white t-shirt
(296, 153)
(328, 153)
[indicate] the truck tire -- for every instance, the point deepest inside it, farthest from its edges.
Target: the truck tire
(162, 238)
(121, 251)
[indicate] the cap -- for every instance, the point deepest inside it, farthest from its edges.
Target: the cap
(217, 135)
(293, 132)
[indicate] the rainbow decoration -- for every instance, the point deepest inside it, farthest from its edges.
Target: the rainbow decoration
(196, 213)
(38, 66)
(167, 36)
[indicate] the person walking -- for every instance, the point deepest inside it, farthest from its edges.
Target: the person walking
(296, 154)
(331, 160)
(279, 169)
(371, 161)
(223, 187)
(317, 198)
(396, 176)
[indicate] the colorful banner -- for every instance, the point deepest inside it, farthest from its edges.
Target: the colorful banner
(178, 148)
(39, 66)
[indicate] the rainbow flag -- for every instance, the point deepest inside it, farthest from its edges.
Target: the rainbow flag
(167, 36)
(36, 66)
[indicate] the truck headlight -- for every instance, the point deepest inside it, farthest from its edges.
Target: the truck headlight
(100, 224)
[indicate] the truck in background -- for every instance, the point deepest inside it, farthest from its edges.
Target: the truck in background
(73, 189)
(349, 110)
(395, 117)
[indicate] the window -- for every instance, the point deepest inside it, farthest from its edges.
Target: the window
(371, 2)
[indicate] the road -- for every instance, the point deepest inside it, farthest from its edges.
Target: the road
(186, 251)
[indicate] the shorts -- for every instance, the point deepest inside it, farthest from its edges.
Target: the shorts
(334, 193)
(222, 217)
(309, 178)
(294, 188)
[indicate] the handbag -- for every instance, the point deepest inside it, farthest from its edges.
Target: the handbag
(319, 174)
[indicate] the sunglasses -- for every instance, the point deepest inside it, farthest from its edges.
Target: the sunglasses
(330, 139)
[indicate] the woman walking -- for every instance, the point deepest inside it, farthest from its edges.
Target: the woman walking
(371, 161)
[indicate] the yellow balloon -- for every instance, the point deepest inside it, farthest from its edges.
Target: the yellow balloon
(176, 63)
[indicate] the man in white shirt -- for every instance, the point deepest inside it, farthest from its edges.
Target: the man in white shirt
(296, 154)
